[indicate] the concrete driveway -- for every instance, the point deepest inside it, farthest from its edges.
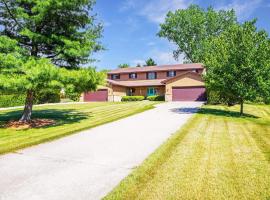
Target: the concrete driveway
(91, 163)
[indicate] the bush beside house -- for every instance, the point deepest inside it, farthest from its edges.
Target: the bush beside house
(132, 98)
(156, 98)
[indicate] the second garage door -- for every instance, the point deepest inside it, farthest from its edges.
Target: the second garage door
(189, 94)
(100, 95)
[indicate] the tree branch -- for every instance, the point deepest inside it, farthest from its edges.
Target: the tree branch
(10, 13)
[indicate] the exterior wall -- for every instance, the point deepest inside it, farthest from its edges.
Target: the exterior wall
(143, 75)
(142, 91)
(187, 81)
(115, 93)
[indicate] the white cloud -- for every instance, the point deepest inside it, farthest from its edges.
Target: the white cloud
(165, 57)
(127, 4)
(107, 24)
(137, 61)
(243, 8)
(156, 10)
(151, 44)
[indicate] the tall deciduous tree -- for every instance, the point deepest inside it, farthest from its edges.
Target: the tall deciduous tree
(238, 63)
(189, 28)
(39, 35)
(150, 62)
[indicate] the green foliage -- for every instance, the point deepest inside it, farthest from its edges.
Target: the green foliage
(73, 96)
(238, 63)
(132, 98)
(8, 100)
(156, 98)
(189, 28)
(64, 31)
(48, 96)
(125, 65)
(150, 62)
(40, 40)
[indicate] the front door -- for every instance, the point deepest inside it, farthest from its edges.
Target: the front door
(151, 91)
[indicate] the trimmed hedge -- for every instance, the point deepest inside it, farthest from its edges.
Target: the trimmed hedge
(156, 98)
(132, 98)
(49, 96)
(11, 100)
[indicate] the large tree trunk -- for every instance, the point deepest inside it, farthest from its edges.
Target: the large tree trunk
(241, 108)
(27, 112)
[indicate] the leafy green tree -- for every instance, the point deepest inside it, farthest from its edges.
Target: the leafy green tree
(40, 40)
(238, 64)
(190, 27)
(125, 65)
(138, 65)
(150, 62)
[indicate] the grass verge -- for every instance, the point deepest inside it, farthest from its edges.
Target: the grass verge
(69, 119)
(216, 155)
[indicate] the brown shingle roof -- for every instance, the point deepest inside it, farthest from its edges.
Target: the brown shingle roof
(158, 68)
(138, 83)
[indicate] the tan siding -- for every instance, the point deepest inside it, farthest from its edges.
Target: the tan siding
(186, 81)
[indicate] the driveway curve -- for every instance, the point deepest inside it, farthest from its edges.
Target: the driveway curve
(91, 163)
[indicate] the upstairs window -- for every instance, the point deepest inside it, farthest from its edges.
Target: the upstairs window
(132, 75)
(195, 70)
(115, 76)
(171, 73)
(151, 75)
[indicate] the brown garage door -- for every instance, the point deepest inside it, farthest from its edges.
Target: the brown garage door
(100, 95)
(189, 94)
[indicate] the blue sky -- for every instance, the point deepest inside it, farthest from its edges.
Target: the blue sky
(130, 27)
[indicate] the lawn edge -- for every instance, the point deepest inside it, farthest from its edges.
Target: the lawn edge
(139, 177)
(50, 139)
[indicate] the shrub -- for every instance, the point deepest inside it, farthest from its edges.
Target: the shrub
(132, 98)
(48, 96)
(156, 98)
(10, 100)
(74, 96)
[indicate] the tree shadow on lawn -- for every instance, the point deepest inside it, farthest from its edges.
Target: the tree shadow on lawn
(213, 111)
(65, 116)
(225, 113)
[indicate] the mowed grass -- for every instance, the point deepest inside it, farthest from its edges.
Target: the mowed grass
(216, 155)
(69, 119)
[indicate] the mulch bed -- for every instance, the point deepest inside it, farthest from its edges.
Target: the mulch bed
(35, 123)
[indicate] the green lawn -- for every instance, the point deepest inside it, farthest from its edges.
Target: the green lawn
(69, 119)
(217, 155)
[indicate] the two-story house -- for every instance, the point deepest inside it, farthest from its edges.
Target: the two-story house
(181, 82)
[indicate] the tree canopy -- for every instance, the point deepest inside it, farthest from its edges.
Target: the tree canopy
(189, 28)
(63, 31)
(124, 65)
(44, 44)
(238, 63)
(150, 62)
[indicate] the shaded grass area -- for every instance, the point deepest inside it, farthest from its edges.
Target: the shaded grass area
(216, 155)
(69, 119)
